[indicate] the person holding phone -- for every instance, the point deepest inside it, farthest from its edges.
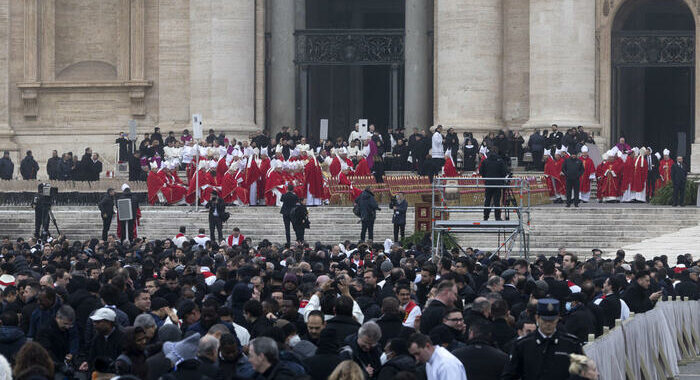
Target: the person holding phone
(639, 296)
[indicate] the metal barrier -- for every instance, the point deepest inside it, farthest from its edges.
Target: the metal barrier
(649, 345)
(448, 215)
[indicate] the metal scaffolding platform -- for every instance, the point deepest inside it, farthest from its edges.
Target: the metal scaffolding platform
(452, 214)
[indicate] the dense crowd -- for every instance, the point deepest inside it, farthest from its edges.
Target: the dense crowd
(188, 308)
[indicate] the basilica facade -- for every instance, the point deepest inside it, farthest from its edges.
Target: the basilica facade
(74, 73)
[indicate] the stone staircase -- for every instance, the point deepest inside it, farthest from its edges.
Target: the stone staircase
(607, 227)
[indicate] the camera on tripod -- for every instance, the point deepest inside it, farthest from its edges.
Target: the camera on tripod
(45, 196)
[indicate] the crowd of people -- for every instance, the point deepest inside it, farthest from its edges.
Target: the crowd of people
(67, 167)
(189, 308)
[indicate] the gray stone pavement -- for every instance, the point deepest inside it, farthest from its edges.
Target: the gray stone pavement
(690, 371)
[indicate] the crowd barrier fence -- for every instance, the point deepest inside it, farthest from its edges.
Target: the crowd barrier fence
(649, 345)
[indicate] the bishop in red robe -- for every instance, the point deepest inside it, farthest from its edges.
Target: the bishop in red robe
(589, 170)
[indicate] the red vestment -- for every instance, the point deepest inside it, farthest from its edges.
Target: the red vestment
(588, 169)
(627, 174)
(354, 192)
(313, 177)
(233, 188)
(274, 187)
(206, 182)
(221, 167)
(156, 184)
(232, 240)
(608, 181)
(664, 173)
(263, 168)
(362, 168)
(449, 169)
(176, 190)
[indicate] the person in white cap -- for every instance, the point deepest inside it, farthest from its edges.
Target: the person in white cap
(107, 340)
(664, 169)
(588, 174)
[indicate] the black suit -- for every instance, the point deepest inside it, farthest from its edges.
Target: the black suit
(493, 167)
(481, 360)
(572, 169)
(558, 289)
(217, 208)
(678, 177)
(289, 200)
(106, 206)
(612, 309)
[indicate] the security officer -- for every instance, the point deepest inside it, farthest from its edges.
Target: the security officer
(544, 353)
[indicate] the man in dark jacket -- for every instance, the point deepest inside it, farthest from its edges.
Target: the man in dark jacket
(135, 171)
(11, 336)
(554, 138)
(368, 213)
(343, 323)
(399, 206)
(217, 210)
(85, 166)
(300, 219)
(638, 296)
(65, 168)
(557, 289)
(28, 167)
(60, 337)
(52, 165)
(106, 207)
(398, 360)
(289, 200)
(326, 358)
(678, 176)
(257, 321)
(688, 287)
(611, 304)
(107, 340)
(363, 348)
(480, 358)
(493, 167)
(572, 169)
(6, 166)
(536, 145)
(437, 307)
(579, 321)
(264, 357)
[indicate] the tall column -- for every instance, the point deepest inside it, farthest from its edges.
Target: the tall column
(516, 62)
(468, 64)
(562, 63)
(6, 132)
(282, 22)
(173, 64)
(394, 97)
(417, 73)
(222, 64)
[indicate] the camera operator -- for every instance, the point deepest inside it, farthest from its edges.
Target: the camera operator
(493, 167)
(471, 148)
(42, 205)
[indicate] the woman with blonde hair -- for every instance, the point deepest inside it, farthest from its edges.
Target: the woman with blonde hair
(347, 370)
(582, 367)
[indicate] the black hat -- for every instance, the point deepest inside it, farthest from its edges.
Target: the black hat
(548, 309)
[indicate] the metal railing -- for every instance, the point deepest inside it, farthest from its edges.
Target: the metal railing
(450, 213)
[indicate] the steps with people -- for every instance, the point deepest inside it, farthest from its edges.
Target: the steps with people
(607, 227)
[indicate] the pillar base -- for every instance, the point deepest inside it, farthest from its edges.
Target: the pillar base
(694, 158)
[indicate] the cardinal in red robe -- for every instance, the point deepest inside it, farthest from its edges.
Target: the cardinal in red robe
(263, 168)
(206, 185)
(639, 181)
(340, 158)
(233, 186)
(274, 185)
(155, 183)
(313, 177)
(344, 180)
(176, 190)
(665, 166)
(609, 176)
(449, 169)
(362, 168)
(589, 170)
(627, 177)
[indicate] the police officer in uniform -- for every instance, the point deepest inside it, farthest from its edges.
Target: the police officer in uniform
(544, 353)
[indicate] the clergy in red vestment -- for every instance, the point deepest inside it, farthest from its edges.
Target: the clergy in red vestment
(449, 170)
(589, 170)
(298, 179)
(176, 190)
(233, 187)
(664, 170)
(627, 176)
(202, 178)
(263, 168)
(155, 183)
(222, 166)
(609, 177)
(313, 177)
(340, 158)
(274, 184)
(236, 238)
(344, 180)
(639, 181)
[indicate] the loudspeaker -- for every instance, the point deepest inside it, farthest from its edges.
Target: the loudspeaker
(124, 209)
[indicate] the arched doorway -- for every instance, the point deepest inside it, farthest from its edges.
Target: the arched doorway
(653, 75)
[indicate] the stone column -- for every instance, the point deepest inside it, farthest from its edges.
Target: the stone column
(516, 62)
(282, 70)
(417, 74)
(394, 97)
(173, 65)
(562, 63)
(222, 65)
(6, 131)
(468, 64)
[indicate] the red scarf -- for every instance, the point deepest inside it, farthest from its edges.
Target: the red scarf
(409, 306)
